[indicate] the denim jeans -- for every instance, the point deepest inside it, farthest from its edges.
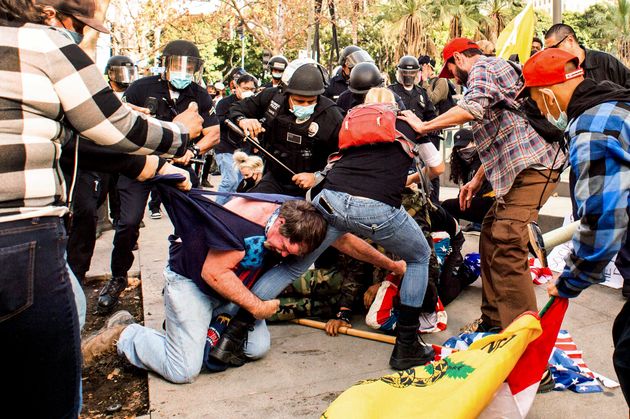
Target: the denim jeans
(390, 227)
(177, 355)
(40, 355)
(230, 176)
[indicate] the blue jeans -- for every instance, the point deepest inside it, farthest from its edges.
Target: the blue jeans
(177, 355)
(40, 355)
(390, 227)
(230, 176)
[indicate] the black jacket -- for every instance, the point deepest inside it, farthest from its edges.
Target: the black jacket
(417, 100)
(336, 86)
(589, 94)
(601, 66)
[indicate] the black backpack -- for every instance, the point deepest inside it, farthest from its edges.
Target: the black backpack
(529, 110)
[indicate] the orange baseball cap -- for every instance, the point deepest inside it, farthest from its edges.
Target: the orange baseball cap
(455, 45)
(547, 68)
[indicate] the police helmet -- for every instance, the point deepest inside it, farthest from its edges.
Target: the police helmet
(408, 62)
(305, 79)
(121, 70)
(235, 73)
(365, 76)
(278, 63)
(182, 57)
(347, 51)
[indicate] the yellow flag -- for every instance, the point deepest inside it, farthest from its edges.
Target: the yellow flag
(458, 386)
(517, 36)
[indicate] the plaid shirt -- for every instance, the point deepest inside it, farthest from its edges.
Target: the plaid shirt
(506, 142)
(600, 155)
(48, 85)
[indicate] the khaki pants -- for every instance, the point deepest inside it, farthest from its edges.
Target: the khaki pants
(507, 289)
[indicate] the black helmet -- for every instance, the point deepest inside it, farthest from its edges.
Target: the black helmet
(365, 76)
(408, 62)
(278, 63)
(235, 73)
(121, 69)
(181, 48)
(308, 79)
(347, 51)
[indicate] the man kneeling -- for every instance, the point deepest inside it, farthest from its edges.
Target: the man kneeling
(202, 277)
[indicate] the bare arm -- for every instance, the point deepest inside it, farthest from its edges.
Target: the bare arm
(209, 140)
(454, 116)
(218, 272)
(353, 246)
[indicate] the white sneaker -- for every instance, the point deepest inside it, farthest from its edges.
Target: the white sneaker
(156, 215)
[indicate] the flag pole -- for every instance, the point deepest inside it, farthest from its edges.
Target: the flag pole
(546, 307)
(348, 331)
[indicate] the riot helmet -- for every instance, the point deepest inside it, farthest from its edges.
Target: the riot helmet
(182, 63)
(408, 71)
(304, 77)
(121, 70)
(277, 65)
(347, 51)
(365, 76)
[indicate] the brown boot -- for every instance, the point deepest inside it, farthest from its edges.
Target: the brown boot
(104, 341)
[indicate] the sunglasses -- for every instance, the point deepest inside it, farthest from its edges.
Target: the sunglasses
(557, 44)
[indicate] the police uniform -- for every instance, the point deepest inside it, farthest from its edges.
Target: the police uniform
(134, 194)
(336, 86)
(348, 100)
(303, 146)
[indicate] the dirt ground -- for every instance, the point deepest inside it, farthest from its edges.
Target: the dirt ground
(112, 387)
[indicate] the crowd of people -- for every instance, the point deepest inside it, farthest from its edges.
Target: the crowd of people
(339, 172)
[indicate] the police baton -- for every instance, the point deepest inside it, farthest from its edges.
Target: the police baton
(255, 143)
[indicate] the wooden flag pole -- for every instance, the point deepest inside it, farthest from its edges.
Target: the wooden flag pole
(348, 331)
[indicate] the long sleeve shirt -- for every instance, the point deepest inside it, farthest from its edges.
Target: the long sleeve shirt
(51, 90)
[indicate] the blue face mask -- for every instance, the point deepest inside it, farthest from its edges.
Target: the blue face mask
(73, 36)
(303, 112)
(180, 81)
(563, 120)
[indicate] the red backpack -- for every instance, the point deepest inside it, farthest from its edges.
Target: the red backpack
(368, 124)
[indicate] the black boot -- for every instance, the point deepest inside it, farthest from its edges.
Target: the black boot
(409, 350)
(229, 348)
(108, 297)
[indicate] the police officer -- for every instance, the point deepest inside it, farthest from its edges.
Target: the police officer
(120, 72)
(165, 96)
(350, 56)
(277, 64)
(301, 127)
(416, 100)
(363, 77)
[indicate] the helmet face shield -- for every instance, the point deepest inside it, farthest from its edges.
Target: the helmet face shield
(358, 57)
(407, 77)
(122, 74)
(179, 66)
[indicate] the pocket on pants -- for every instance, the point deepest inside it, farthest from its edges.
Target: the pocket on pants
(510, 225)
(17, 273)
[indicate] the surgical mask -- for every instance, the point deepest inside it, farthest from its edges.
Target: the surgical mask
(180, 81)
(246, 94)
(276, 75)
(303, 112)
(563, 120)
(73, 36)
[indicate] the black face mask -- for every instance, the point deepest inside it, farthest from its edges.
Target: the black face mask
(468, 155)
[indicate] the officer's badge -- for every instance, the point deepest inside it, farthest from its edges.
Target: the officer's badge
(313, 129)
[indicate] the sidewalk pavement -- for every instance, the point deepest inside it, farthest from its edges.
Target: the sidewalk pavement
(306, 370)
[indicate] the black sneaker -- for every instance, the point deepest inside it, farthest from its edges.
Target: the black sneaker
(110, 293)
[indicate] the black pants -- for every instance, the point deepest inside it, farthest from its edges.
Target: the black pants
(479, 206)
(621, 356)
(133, 199)
(87, 197)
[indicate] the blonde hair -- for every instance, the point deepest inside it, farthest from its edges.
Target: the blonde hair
(243, 160)
(379, 95)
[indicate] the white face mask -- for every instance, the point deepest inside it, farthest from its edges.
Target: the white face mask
(563, 120)
(246, 94)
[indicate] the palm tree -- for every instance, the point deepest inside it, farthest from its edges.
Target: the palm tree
(409, 27)
(461, 16)
(498, 14)
(620, 22)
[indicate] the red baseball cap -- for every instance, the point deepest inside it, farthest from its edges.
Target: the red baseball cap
(455, 45)
(546, 68)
